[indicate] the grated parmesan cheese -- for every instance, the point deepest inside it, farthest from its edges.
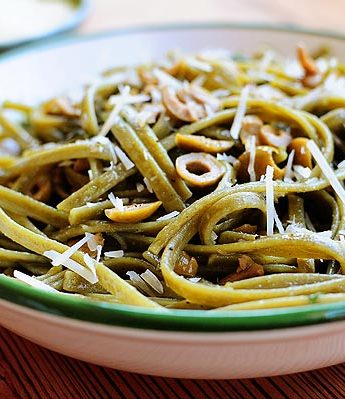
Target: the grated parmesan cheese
(65, 163)
(33, 281)
(278, 223)
(326, 169)
(169, 215)
(90, 263)
(301, 171)
(220, 93)
(99, 252)
(128, 99)
(288, 169)
(91, 204)
(252, 153)
(155, 94)
(119, 101)
(127, 163)
(140, 187)
(341, 164)
(272, 215)
(107, 144)
(194, 279)
(9, 146)
(241, 110)
(145, 117)
(152, 281)
(308, 222)
(113, 154)
(59, 260)
(268, 92)
(165, 79)
(139, 282)
(114, 114)
(146, 155)
(208, 109)
(114, 254)
(293, 69)
(325, 234)
(230, 67)
(298, 229)
(116, 201)
(92, 243)
(227, 158)
(214, 236)
(71, 264)
(197, 64)
(199, 80)
(334, 84)
(269, 200)
(218, 54)
(266, 60)
(148, 185)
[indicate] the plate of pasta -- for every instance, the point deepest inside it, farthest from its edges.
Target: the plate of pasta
(176, 190)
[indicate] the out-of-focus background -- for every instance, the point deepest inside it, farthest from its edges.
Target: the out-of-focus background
(108, 14)
(26, 20)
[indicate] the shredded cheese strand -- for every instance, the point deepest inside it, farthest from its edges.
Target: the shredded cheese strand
(32, 281)
(127, 163)
(140, 187)
(152, 281)
(252, 154)
(114, 254)
(269, 200)
(59, 260)
(288, 169)
(139, 282)
(241, 111)
(119, 101)
(165, 79)
(76, 267)
(148, 185)
(326, 169)
(92, 243)
(169, 215)
(90, 263)
(111, 120)
(278, 223)
(116, 201)
(99, 252)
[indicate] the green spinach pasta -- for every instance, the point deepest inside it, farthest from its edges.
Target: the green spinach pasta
(203, 181)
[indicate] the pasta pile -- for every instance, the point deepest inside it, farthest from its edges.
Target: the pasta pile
(202, 181)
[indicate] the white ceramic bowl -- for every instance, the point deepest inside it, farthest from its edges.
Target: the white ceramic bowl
(270, 343)
(215, 355)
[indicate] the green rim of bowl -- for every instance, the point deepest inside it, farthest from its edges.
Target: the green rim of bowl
(81, 10)
(165, 319)
(80, 308)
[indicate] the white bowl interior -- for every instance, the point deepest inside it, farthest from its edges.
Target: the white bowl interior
(31, 75)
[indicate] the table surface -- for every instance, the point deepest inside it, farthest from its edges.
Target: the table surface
(28, 371)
